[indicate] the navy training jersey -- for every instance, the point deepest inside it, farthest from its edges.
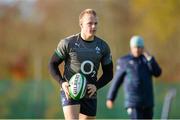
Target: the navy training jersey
(83, 56)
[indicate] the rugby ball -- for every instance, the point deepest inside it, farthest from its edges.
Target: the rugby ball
(77, 88)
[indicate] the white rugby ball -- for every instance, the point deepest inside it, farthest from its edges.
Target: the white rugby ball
(77, 88)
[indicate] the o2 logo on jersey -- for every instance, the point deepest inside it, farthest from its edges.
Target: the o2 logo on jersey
(91, 70)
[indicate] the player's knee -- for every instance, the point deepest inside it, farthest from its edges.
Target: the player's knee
(71, 112)
(86, 117)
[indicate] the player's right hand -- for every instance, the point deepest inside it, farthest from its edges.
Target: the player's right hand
(109, 104)
(65, 87)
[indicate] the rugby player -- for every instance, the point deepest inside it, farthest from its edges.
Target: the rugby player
(82, 53)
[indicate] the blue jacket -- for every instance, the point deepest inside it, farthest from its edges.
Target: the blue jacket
(136, 76)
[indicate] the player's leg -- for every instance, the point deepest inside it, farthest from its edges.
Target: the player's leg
(148, 113)
(71, 112)
(88, 108)
(135, 113)
(71, 108)
(86, 117)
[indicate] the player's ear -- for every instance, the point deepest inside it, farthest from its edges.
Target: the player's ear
(80, 24)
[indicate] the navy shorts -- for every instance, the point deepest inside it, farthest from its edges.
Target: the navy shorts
(88, 106)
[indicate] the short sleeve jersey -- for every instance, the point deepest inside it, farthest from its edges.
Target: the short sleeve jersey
(82, 56)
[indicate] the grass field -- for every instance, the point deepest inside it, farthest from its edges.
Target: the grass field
(40, 99)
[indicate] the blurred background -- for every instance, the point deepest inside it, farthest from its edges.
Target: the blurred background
(31, 29)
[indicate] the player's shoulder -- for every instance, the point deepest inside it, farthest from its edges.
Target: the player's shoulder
(69, 39)
(101, 42)
(124, 59)
(72, 37)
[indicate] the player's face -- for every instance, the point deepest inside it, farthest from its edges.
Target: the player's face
(88, 25)
(136, 51)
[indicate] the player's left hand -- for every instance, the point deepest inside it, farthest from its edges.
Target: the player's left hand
(91, 89)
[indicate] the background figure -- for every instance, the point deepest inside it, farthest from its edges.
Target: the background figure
(83, 53)
(18, 66)
(135, 71)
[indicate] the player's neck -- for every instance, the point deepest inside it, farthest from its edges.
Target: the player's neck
(87, 38)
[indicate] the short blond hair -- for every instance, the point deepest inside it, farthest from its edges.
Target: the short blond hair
(87, 11)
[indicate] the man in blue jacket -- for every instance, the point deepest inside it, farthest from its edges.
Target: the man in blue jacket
(135, 71)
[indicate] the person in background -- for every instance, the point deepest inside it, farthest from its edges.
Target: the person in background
(18, 66)
(82, 53)
(135, 72)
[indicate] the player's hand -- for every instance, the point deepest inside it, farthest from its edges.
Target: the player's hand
(109, 104)
(147, 54)
(65, 87)
(91, 89)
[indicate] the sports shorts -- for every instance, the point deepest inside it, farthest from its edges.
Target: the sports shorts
(88, 106)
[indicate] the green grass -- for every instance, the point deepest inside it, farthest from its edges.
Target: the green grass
(40, 99)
